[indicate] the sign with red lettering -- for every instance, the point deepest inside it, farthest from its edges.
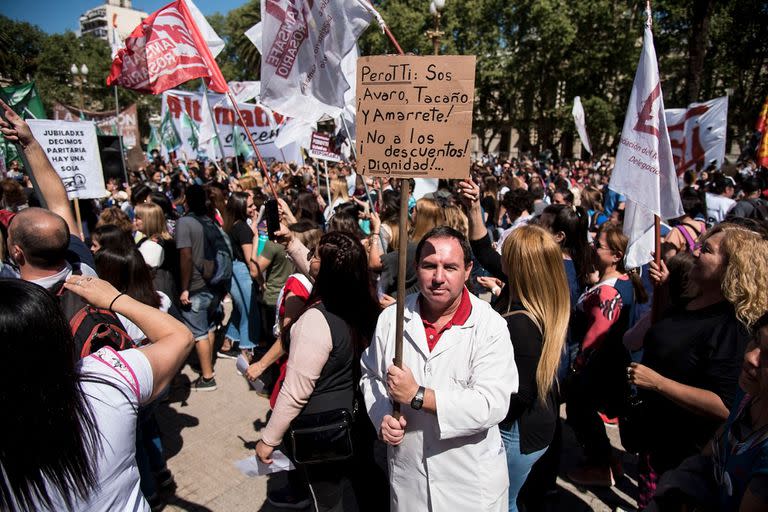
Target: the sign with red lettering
(322, 147)
(263, 124)
(414, 115)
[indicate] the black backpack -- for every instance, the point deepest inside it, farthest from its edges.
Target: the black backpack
(92, 328)
(217, 252)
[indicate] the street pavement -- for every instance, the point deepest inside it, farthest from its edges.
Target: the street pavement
(205, 433)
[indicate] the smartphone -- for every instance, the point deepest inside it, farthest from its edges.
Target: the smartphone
(273, 217)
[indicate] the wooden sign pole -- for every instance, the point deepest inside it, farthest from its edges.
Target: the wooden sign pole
(402, 260)
(78, 218)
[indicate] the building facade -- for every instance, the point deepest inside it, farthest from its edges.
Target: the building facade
(115, 15)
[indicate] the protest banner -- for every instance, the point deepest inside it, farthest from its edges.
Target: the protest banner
(256, 118)
(414, 115)
(321, 148)
(73, 151)
(697, 134)
(127, 121)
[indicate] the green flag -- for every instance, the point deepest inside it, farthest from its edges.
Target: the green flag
(154, 142)
(25, 100)
(168, 133)
(27, 103)
(242, 148)
(194, 131)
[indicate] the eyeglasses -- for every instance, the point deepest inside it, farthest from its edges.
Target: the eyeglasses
(311, 254)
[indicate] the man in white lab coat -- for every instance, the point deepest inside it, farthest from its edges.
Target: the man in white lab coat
(445, 452)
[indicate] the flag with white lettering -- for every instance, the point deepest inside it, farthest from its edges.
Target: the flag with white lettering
(581, 123)
(302, 45)
(697, 134)
(168, 48)
(645, 172)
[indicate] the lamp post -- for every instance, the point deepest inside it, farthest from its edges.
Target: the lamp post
(83, 74)
(434, 9)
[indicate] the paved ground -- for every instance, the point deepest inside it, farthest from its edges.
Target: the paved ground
(206, 433)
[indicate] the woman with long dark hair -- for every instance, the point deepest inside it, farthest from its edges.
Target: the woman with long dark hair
(128, 272)
(245, 322)
(69, 443)
(324, 345)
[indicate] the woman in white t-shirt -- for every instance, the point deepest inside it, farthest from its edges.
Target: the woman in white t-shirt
(128, 272)
(69, 443)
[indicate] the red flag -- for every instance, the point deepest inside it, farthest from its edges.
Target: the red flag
(165, 50)
(762, 119)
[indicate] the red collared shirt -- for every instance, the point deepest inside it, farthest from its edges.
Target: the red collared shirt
(459, 318)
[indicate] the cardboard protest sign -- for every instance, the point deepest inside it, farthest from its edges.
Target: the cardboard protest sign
(73, 150)
(321, 147)
(414, 115)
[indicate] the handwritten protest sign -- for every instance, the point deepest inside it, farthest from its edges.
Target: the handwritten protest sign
(414, 115)
(73, 150)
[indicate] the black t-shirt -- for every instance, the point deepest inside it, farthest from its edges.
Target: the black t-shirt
(536, 420)
(703, 348)
(489, 206)
(240, 234)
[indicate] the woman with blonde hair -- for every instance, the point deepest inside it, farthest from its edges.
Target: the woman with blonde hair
(339, 195)
(692, 355)
(537, 315)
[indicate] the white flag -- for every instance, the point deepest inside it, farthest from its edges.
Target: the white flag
(245, 91)
(644, 170)
(212, 39)
(697, 134)
(207, 134)
(581, 123)
(302, 46)
(115, 42)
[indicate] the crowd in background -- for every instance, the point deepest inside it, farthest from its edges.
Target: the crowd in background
(685, 381)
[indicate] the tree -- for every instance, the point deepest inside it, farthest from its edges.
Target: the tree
(20, 46)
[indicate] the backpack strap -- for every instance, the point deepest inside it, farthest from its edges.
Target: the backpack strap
(114, 360)
(688, 238)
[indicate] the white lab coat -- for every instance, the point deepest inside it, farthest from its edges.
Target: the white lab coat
(454, 460)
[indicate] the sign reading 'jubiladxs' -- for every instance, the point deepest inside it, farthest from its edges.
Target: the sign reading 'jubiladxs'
(73, 150)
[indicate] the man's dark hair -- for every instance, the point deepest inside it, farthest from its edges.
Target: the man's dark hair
(694, 202)
(517, 201)
(751, 185)
(197, 200)
(719, 182)
(446, 232)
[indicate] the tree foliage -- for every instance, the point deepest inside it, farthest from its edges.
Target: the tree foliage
(533, 57)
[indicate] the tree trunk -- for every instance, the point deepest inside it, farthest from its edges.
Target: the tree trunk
(697, 46)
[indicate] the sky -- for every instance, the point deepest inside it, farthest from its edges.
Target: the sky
(56, 16)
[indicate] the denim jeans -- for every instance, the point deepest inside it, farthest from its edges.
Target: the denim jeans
(518, 464)
(244, 323)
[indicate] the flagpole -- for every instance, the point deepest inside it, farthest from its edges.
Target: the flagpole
(234, 144)
(119, 137)
(327, 182)
(354, 153)
(253, 143)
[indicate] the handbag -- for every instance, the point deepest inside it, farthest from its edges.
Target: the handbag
(321, 437)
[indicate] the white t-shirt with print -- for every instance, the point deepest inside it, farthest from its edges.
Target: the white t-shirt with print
(115, 407)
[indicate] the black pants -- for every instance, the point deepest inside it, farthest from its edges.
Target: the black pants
(330, 487)
(600, 386)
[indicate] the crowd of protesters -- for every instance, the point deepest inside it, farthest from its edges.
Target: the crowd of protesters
(310, 307)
